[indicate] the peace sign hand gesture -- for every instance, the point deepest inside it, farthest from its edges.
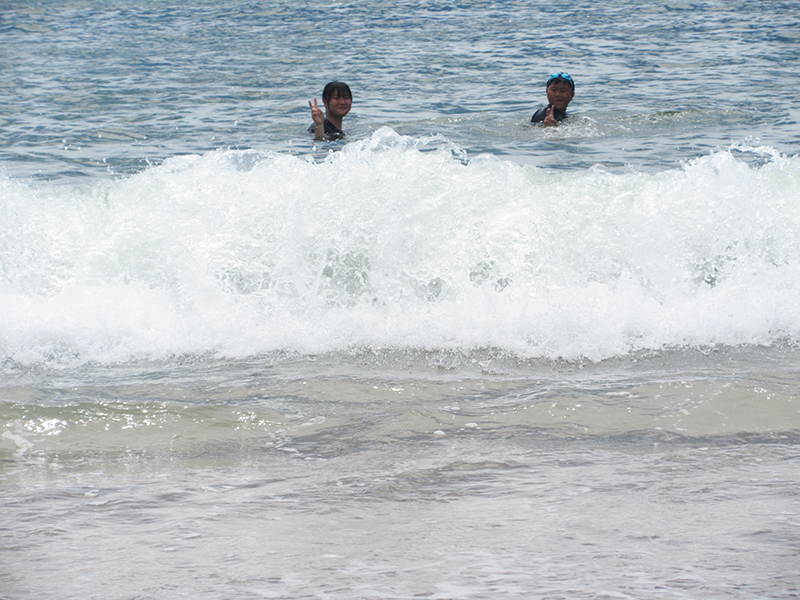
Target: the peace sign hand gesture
(316, 112)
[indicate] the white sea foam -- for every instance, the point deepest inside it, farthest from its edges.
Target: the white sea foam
(393, 242)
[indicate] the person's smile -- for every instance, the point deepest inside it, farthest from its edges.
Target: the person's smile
(340, 106)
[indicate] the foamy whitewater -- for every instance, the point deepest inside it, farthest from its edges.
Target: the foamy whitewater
(386, 245)
(452, 356)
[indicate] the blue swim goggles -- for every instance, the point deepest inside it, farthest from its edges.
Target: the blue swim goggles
(564, 76)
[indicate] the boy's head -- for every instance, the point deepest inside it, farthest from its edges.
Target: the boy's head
(555, 77)
(560, 90)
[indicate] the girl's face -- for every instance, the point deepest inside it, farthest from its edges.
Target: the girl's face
(339, 106)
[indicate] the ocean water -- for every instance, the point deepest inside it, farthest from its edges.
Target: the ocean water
(451, 356)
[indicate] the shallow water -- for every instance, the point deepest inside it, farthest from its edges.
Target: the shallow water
(665, 476)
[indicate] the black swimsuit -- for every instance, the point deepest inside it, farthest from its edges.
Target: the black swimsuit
(332, 132)
(540, 114)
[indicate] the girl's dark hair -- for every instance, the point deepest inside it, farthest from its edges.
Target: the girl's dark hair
(336, 86)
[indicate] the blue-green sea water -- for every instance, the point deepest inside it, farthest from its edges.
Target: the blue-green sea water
(451, 356)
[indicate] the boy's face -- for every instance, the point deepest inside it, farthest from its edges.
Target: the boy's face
(559, 94)
(339, 106)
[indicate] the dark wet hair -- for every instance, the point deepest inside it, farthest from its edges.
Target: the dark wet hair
(335, 87)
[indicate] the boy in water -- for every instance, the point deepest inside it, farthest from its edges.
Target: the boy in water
(560, 91)
(337, 99)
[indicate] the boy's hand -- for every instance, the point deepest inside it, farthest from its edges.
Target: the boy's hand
(549, 119)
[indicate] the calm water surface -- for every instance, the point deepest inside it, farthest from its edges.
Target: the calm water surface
(95, 88)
